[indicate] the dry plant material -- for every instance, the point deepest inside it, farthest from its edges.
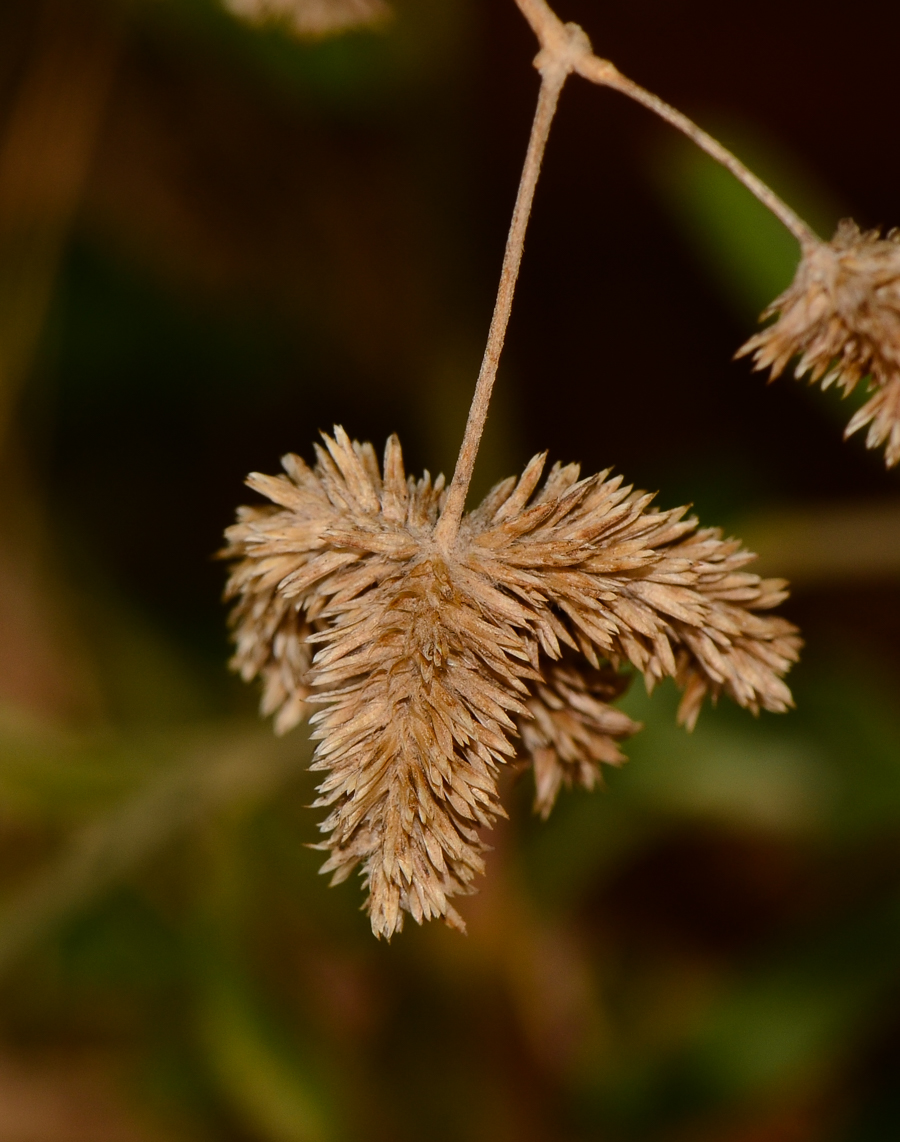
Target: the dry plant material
(429, 661)
(572, 728)
(437, 645)
(272, 640)
(841, 317)
(313, 18)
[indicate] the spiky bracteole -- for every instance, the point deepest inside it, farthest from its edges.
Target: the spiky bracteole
(428, 659)
(737, 648)
(572, 728)
(841, 317)
(272, 642)
(881, 413)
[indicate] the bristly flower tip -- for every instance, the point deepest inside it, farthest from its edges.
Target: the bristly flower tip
(430, 668)
(572, 727)
(841, 317)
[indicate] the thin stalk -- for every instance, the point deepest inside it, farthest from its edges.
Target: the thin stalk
(610, 77)
(552, 80)
(564, 49)
(549, 30)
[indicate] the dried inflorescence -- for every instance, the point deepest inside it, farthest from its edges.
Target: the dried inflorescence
(841, 317)
(572, 728)
(429, 662)
(313, 18)
(272, 638)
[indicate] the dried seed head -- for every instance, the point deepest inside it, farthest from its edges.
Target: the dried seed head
(429, 662)
(418, 673)
(274, 645)
(882, 414)
(841, 317)
(313, 18)
(573, 728)
(607, 574)
(736, 647)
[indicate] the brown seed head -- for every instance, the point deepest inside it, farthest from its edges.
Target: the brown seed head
(428, 663)
(272, 643)
(841, 317)
(572, 727)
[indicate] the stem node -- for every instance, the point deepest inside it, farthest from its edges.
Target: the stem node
(565, 48)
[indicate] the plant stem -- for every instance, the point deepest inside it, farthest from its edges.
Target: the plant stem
(789, 218)
(564, 49)
(553, 76)
(548, 28)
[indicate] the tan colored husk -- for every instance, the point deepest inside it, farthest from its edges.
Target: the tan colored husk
(426, 659)
(882, 414)
(572, 728)
(841, 317)
(272, 638)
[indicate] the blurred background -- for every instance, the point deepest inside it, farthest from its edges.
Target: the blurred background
(215, 240)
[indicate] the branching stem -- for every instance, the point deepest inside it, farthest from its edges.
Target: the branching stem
(789, 218)
(565, 49)
(548, 27)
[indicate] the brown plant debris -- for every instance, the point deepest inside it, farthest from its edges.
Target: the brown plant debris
(841, 317)
(428, 662)
(313, 18)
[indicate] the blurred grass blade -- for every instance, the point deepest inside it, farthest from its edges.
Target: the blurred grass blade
(214, 776)
(45, 155)
(746, 249)
(260, 1072)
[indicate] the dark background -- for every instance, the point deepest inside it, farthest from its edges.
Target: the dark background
(216, 240)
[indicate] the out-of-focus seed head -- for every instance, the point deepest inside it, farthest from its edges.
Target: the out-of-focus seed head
(841, 317)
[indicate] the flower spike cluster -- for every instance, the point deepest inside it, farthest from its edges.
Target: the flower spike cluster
(841, 317)
(429, 669)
